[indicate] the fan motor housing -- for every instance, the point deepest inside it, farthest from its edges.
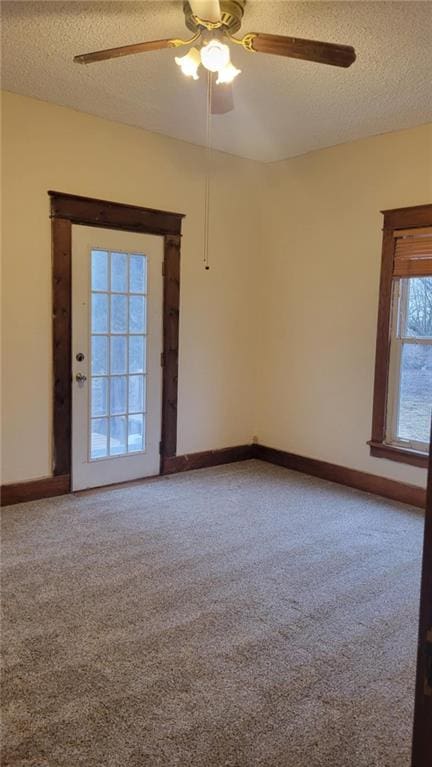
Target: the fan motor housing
(231, 15)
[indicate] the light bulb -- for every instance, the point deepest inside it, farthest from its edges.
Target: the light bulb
(227, 74)
(189, 63)
(215, 55)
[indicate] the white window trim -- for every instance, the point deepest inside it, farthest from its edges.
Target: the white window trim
(397, 341)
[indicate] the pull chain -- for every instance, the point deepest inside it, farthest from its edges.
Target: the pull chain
(207, 173)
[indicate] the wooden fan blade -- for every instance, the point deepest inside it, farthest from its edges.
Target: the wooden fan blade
(124, 50)
(222, 100)
(309, 50)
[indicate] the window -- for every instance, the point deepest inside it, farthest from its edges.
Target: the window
(410, 374)
(403, 371)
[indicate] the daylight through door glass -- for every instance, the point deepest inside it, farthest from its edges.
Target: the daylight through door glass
(118, 311)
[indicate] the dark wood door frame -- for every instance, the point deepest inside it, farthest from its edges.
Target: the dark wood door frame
(68, 209)
(422, 731)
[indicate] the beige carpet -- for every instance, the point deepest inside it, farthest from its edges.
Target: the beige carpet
(243, 616)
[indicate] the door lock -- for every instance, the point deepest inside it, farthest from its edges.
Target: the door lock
(79, 357)
(80, 378)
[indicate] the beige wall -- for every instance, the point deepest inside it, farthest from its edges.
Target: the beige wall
(278, 339)
(320, 266)
(50, 147)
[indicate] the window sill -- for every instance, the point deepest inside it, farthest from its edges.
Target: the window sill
(400, 454)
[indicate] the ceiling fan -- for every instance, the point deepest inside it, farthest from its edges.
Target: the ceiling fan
(213, 22)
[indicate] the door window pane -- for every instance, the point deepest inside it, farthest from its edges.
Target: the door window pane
(136, 394)
(136, 433)
(99, 270)
(99, 438)
(118, 435)
(118, 354)
(137, 310)
(99, 312)
(138, 274)
(99, 396)
(119, 314)
(99, 360)
(137, 351)
(118, 394)
(119, 272)
(415, 393)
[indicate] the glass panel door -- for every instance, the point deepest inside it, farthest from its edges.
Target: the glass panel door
(117, 344)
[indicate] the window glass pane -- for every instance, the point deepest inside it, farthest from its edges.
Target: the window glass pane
(99, 361)
(118, 314)
(419, 307)
(136, 394)
(118, 394)
(99, 270)
(138, 274)
(137, 349)
(119, 272)
(118, 354)
(99, 396)
(136, 432)
(99, 312)
(415, 393)
(99, 438)
(137, 320)
(118, 435)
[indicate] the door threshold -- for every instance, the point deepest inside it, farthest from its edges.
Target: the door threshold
(114, 485)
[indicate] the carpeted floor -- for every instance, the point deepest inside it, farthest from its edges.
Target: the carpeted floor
(243, 616)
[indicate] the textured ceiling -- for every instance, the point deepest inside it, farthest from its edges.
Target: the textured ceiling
(283, 107)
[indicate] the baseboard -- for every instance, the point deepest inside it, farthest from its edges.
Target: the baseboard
(360, 480)
(48, 487)
(34, 489)
(178, 463)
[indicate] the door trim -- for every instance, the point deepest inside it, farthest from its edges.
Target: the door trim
(68, 209)
(422, 739)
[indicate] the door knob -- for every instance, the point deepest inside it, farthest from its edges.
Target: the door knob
(80, 378)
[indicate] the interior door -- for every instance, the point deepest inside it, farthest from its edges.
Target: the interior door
(116, 355)
(422, 734)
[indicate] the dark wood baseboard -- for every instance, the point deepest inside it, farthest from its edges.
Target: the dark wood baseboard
(360, 480)
(35, 489)
(47, 487)
(206, 459)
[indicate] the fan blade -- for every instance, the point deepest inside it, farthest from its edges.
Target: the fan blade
(222, 100)
(124, 50)
(309, 50)
(209, 10)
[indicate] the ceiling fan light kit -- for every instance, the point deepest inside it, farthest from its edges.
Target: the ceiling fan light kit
(190, 63)
(227, 74)
(215, 55)
(214, 23)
